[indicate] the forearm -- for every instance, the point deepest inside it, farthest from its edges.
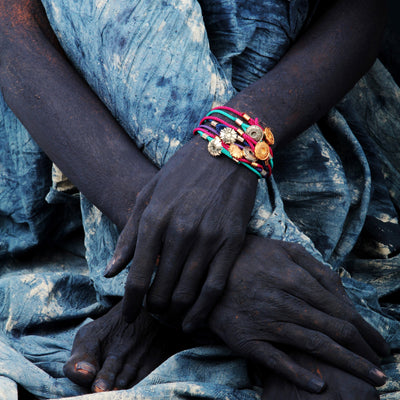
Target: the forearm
(67, 119)
(78, 133)
(317, 71)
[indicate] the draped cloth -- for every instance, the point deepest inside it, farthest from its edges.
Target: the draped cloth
(159, 67)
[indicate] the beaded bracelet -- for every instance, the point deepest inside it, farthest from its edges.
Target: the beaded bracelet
(246, 142)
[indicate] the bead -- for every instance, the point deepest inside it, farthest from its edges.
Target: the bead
(249, 154)
(255, 132)
(238, 122)
(246, 117)
(215, 147)
(261, 150)
(269, 137)
(228, 135)
(235, 151)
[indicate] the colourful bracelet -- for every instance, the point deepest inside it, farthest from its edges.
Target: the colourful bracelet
(245, 142)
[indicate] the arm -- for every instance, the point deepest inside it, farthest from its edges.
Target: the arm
(316, 72)
(75, 128)
(64, 116)
(79, 135)
(90, 147)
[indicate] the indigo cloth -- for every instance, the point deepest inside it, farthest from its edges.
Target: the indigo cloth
(159, 67)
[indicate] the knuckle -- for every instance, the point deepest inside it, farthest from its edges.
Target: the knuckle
(182, 299)
(135, 285)
(274, 361)
(314, 343)
(149, 219)
(156, 302)
(181, 227)
(214, 288)
(348, 332)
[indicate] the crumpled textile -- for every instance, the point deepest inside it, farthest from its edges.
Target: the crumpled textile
(159, 68)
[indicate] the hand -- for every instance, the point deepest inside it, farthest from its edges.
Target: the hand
(278, 294)
(340, 384)
(194, 214)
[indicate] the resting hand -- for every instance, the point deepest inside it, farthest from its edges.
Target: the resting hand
(278, 294)
(193, 214)
(340, 384)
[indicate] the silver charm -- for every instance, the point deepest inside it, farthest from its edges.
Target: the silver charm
(255, 132)
(215, 147)
(228, 135)
(249, 154)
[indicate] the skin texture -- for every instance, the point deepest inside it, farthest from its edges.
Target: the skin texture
(254, 317)
(340, 384)
(317, 67)
(120, 354)
(167, 222)
(263, 305)
(77, 120)
(324, 63)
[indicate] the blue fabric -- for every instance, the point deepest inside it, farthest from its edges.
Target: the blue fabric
(159, 68)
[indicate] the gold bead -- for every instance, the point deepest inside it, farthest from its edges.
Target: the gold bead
(235, 151)
(269, 136)
(261, 150)
(246, 117)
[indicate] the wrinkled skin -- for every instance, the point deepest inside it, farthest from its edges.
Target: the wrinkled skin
(251, 312)
(264, 304)
(340, 384)
(207, 209)
(312, 84)
(120, 354)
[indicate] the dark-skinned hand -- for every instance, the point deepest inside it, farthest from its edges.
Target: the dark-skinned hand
(340, 385)
(193, 214)
(277, 293)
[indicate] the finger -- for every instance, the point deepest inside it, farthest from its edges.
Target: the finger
(105, 378)
(126, 377)
(270, 357)
(192, 277)
(213, 287)
(142, 267)
(332, 282)
(125, 247)
(325, 348)
(173, 254)
(84, 362)
(321, 272)
(325, 312)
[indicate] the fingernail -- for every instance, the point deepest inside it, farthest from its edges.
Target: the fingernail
(99, 386)
(85, 368)
(377, 376)
(316, 385)
(107, 270)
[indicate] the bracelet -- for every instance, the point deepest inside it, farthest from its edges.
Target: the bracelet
(245, 142)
